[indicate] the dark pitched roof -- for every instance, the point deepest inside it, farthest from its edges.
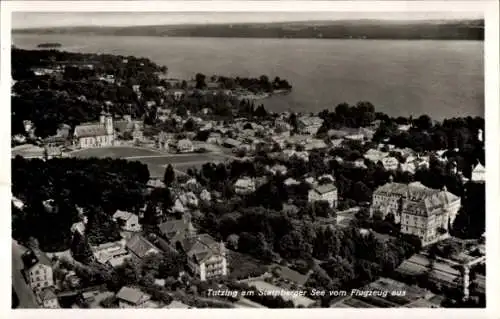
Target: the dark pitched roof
(172, 228)
(47, 294)
(131, 295)
(32, 257)
(140, 246)
(326, 188)
(201, 246)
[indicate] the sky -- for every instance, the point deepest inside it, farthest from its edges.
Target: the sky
(22, 20)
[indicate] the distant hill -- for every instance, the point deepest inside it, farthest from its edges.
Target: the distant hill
(359, 29)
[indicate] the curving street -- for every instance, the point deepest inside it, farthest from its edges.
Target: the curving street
(24, 293)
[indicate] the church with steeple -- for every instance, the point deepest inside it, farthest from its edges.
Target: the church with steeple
(101, 134)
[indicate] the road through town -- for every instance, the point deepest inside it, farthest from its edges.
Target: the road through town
(24, 293)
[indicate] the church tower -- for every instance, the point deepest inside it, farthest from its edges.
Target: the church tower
(102, 118)
(109, 124)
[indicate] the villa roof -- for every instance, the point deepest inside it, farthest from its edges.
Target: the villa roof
(174, 228)
(325, 188)
(131, 295)
(200, 247)
(47, 294)
(123, 215)
(140, 246)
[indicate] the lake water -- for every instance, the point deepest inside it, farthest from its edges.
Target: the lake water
(440, 78)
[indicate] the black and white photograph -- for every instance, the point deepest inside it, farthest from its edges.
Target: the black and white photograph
(249, 159)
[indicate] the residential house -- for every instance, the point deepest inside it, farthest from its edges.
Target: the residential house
(291, 182)
(311, 181)
(390, 163)
(206, 257)
(17, 202)
(421, 211)
(150, 104)
(360, 163)
(278, 169)
(47, 298)
(185, 146)
(309, 124)
(155, 183)
(244, 186)
(177, 230)
(129, 297)
(478, 173)
(231, 143)
(111, 254)
(176, 94)
(327, 177)
(355, 137)
(408, 167)
(43, 71)
(109, 78)
(136, 88)
(71, 279)
(315, 144)
(214, 138)
(37, 270)
(336, 142)
(205, 195)
(441, 272)
(127, 221)
(375, 155)
(79, 227)
(163, 113)
(281, 125)
(326, 192)
(140, 247)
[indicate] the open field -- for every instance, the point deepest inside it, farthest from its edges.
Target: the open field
(155, 160)
(114, 152)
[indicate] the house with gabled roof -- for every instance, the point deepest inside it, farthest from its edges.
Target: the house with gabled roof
(47, 298)
(112, 254)
(478, 173)
(175, 231)
(129, 297)
(326, 192)
(128, 221)
(140, 247)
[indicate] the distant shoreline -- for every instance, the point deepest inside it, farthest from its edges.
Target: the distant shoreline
(248, 37)
(363, 30)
